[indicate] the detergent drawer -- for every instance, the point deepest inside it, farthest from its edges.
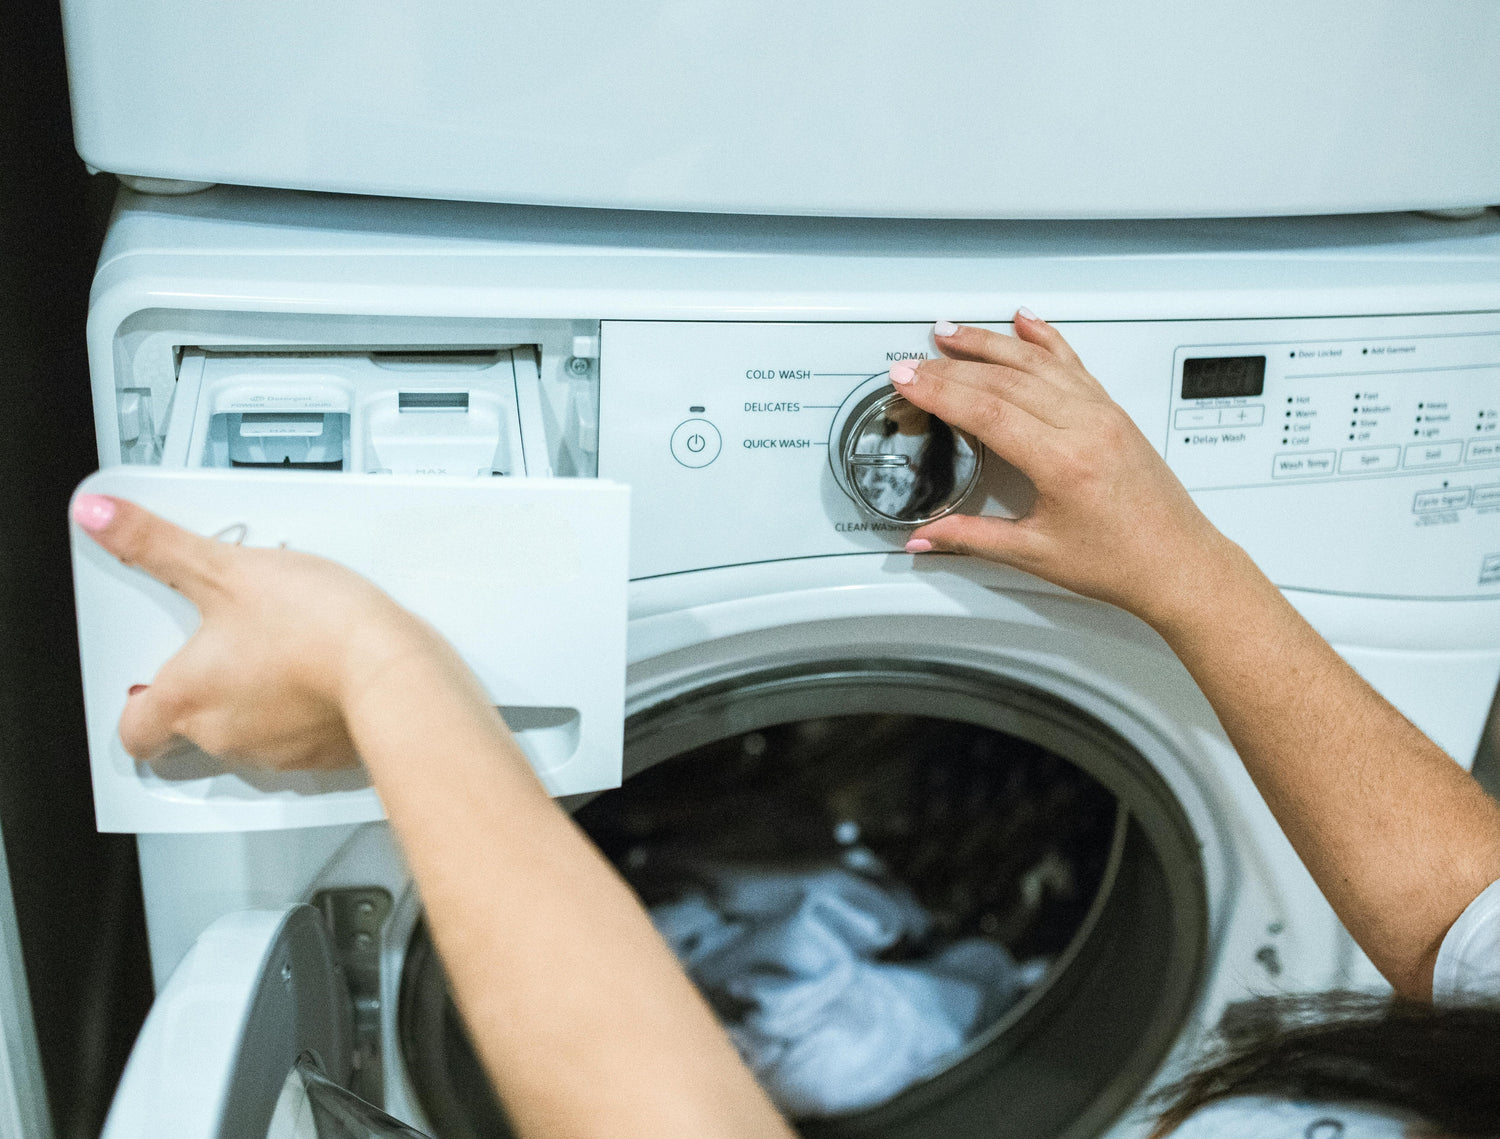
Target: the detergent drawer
(526, 578)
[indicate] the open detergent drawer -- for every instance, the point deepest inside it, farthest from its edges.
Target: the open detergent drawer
(526, 577)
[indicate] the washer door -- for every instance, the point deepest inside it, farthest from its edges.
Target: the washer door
(259, 991)
(973, 789)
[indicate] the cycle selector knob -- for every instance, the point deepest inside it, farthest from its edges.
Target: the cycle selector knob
(898, 462)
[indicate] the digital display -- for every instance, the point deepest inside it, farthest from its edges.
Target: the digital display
(1220, 377)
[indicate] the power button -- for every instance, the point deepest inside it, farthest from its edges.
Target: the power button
(696, 443)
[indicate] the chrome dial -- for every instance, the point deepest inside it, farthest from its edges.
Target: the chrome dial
(899, 462)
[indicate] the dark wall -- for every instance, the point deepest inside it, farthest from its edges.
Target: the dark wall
(76, 892)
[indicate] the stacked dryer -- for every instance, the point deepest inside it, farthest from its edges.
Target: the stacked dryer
(548, 327)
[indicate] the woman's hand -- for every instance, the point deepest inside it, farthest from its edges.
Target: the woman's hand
(1110, 520)
(289, 644)
(1399, 837)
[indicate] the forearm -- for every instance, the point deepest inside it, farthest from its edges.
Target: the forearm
(1398, 837)
(584, 1020)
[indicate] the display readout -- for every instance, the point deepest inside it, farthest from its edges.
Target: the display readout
(1222, 377)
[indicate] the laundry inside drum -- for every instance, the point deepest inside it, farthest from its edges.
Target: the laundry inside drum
(861, 898)
(886, 910)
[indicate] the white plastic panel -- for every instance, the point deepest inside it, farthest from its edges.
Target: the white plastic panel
(527, 578)
(1446, 695)
(972, 109)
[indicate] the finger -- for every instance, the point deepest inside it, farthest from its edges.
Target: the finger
(1017, 436)
(187, 562)
(1039, 348)
(1036, 395)
(966, 342)
(1005, 540)
(146, 724)
(1034, 330)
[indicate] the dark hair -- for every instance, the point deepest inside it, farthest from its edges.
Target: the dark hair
(1439, 1064)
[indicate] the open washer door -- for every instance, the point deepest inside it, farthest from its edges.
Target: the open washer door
(258, 990)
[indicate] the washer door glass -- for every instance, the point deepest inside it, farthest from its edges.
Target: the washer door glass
(922, 901)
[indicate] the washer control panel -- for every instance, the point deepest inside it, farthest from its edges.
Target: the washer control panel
(1248, 414)
(747, 442)
(1354, 455)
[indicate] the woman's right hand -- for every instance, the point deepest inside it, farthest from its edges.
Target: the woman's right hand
(289, 645)
(1399, 838)
(1110, 520)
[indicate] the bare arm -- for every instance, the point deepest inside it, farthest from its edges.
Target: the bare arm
(584, 1021)
(1398, 837)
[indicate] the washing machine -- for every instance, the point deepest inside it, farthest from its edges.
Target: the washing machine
(681, 410)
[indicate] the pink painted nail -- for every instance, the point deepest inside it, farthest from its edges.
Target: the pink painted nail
(93, 511)
(1029, 315)
(137, 689)
(903, 373)
(918, 546)
(944, 328)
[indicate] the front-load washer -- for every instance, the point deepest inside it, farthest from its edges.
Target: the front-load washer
(1328, 391)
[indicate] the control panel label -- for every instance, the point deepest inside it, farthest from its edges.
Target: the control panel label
(1358, 408)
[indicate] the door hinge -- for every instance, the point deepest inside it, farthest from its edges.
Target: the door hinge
(355, 917)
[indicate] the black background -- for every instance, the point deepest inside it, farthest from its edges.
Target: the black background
(76, 892)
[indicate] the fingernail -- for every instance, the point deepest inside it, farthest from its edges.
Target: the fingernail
(944, 328)
(93, 511)
(903, 373)
(1028, 314)
(918, 546)
(137, 689)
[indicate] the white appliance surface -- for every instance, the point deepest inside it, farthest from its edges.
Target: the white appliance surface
(1092, 109)
(704, 367)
